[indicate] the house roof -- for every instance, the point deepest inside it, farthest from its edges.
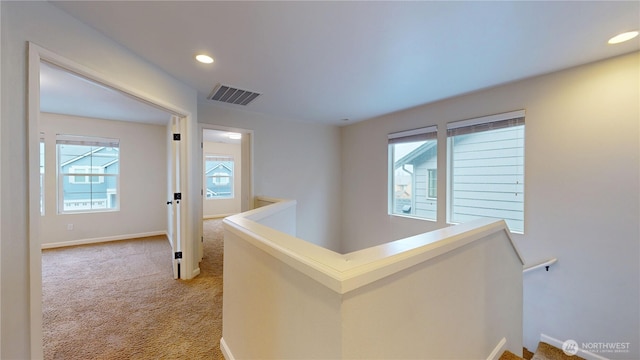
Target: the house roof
(219, 166)
(417, 154)
(69, 157)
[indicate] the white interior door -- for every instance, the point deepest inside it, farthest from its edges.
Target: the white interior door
(174, 223)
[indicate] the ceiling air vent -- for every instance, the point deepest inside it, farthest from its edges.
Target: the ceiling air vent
(231, 95)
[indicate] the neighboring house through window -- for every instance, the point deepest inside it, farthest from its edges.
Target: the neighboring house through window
(219, 176)
(413, 179)
(88, 173)
(486, 169)
(432, 183)
(86, 179)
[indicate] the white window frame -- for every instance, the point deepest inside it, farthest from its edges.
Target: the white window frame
(478, 125)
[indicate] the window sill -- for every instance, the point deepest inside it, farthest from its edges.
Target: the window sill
(519, 232)
(413, 217)
(87, 212)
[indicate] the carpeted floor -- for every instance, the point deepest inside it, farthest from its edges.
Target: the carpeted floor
(118, 300)
(543, 352)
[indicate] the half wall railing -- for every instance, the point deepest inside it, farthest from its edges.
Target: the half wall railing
(450, 293)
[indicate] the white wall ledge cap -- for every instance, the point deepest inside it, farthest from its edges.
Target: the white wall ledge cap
(263, 212)
(346, 272)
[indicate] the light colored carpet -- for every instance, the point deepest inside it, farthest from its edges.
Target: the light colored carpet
(118, 300)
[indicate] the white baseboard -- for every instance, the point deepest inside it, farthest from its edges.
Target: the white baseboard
(582, 353)
(102, 239)
(498, 350)
(225, 350)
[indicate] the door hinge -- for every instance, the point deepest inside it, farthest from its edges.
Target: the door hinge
(177, 196)
(178, 255)
(201, 145)
(176, 137)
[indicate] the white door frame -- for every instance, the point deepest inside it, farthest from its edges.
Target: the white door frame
(36, 55)
(246, 170)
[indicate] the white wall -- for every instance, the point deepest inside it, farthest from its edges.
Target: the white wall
(294, 318)
(293, 160)
(49, 27)
(582, 194)
(220, 207)
(456, 306)
(143, 181)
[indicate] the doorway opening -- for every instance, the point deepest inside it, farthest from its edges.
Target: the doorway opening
(41, 61)
(222, 173)
(227, 186)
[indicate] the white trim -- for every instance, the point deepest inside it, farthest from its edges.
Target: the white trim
(498, 350)
(485, 119)
(87, 140)
(582, 353)
(226, 352)
(424, 130)
(103, 239)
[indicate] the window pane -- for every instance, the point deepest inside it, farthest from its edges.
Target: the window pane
(80, 159)
(87, 196)
(414, 180)
(219, 174)
(487, 176)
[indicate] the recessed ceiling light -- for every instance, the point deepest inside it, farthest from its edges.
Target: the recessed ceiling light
(234, 136)
(623, 37)
(205, 59)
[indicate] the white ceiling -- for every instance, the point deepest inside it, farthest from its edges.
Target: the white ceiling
(62, 92)
(326, 61)
(218, 136)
